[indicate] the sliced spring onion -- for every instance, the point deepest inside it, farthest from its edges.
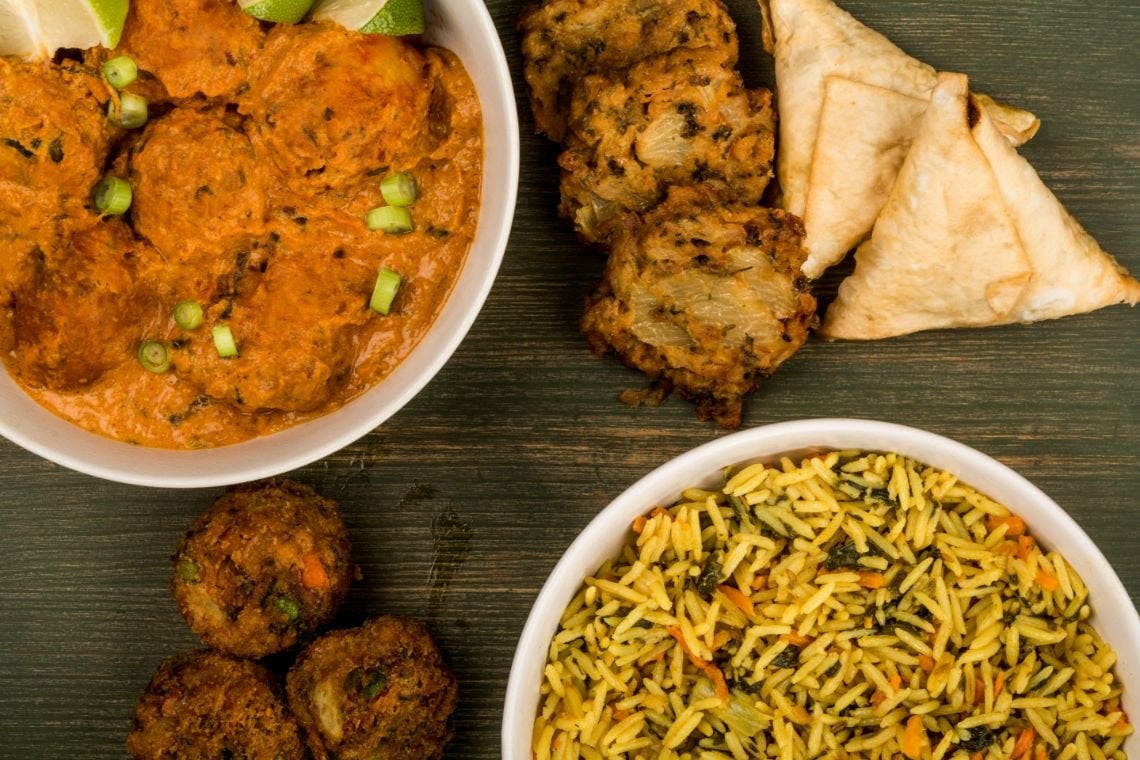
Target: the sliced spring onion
(120, 71)
(112, 195)
(188, 315)
(224, 341)
(399, 189)
(133, 111)
(395, 220)
(154, 356)
(384, 292)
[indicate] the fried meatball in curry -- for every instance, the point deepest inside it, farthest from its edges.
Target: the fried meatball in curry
(199, 194)
(193, 46)
(209, 705)
(705, 297)
(674, 119)
(262, 568)
(380, 690)
(54, 140)
(333, 107)
(564, 40)
(81, 308)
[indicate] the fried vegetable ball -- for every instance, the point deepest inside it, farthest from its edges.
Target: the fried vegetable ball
(191, 166)
(262, 568)
(314, 95)
(194, 46)
(81, 308)
(54, 140)
(564, 40)
(208, 705)
(380, 690)
(674, 119)
(704, 296)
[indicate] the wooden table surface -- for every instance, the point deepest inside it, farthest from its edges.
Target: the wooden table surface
(460, 505)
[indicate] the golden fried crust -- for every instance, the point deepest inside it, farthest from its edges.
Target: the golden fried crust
(380, 690)
(674, 119)
(265, 566)
(208, 705)
(704, 297)
(564, 40)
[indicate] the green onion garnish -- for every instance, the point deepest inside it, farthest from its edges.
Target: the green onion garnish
(120, 71)
(384, 292)
(133, 111)
(395, 220)
(399, 189)
(112, 195)
(154, 356)
(188, 315)
(224, 341)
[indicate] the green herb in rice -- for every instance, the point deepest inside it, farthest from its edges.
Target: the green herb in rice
(850, 606)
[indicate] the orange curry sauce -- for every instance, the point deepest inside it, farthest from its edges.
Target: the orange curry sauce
(252, 179)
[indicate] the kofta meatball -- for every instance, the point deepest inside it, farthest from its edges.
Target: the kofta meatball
(199, 194)
(674, 119)
(193, 46)
(705, 297)
(82, 309)
(314, 98)
(208, 705)
(285, 363)
(54, 141)
(380, 690)
(262, 568)
(564, 40)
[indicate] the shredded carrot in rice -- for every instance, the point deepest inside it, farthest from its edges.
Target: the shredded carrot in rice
(914, 737)
(1023, 744)
(738, 598)
(712, 671)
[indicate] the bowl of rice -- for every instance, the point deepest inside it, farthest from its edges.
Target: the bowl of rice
(828, 588)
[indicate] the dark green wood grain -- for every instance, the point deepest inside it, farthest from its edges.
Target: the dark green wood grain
(461, 504)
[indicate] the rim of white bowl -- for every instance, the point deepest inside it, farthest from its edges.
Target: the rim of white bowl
(66, 444)
(1046, 518)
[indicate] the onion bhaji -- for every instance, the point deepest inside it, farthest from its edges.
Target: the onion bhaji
(265, 566)
(681, 117)
(209, 705)
(380, 690)
(704, 297)
(564, 40)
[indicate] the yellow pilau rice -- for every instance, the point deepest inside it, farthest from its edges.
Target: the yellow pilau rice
(850, 606)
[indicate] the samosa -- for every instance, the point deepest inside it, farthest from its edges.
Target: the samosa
(970, 236)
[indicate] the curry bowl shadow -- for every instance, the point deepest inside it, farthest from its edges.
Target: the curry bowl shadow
(466, 28)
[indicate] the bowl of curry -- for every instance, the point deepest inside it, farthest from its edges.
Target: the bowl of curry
(316, 217)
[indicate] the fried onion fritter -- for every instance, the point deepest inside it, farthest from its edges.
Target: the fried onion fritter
(674, 119)
(564, 40)
(704, 297)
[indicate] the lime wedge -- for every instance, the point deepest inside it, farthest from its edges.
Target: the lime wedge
(277, 11)
(19, 31)
(392, 17)
(79, 23)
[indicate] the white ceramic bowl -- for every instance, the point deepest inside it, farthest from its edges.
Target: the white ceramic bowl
(1114, 616)
(465, 27)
